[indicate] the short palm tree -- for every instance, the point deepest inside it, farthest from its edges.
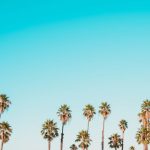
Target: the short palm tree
(64, 114)
(132, 148)
(143, 137)
(5, 133)
(89, 112)
(123, 126)
(84, 139)
(73, 147)
(115, 141)
(4, 103)
(104, 110)
(49, 131)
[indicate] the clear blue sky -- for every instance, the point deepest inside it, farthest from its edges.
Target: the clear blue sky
(74, 52)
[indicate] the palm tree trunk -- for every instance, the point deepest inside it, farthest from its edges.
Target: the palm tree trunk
(145, 147)
(62, 137)
(103, 134)
(88, 126)
(115, 148)
(49, 145)
(122, 140)
(2, 145)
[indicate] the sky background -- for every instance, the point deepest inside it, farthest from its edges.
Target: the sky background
(74, 52)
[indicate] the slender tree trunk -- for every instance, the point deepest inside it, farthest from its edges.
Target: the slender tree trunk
(115, 148)
(122, 144)
(88, 126)
(49, 145)
(2, 145)
(103, 134)
(145, 147)
(62, 137)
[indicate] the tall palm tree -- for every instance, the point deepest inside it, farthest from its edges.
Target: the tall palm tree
(4, 103)
(145, 107)
(84, 139)
(123, 126)
(64, 114)
(132, 148)
(104, 110)
(73, 147)
(49, 131)
(143, 137)
(5, 133)
(89, 112)
(115, 141)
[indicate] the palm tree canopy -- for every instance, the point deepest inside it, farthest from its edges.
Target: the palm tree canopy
(4, 103)
(5, 131)
(104, 109)
(115, 141)
(123, 125)
(49, 130)
(89, 112)
(84, 139)
(145, 107)
(73, 147)
(132, 148)
(64, 113)
(143, 135)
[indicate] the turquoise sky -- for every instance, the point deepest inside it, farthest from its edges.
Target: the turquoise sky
(74, 52)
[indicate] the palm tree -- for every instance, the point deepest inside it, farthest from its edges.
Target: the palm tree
(104, 110)
(143, 137)
(123, 126)
(64, 114)
(5, 133)
(89, 112)
(84, 138)
(145, 107)
(49, 131)
(115, 141)
(73, 147)
(132, 148)
(4, 103)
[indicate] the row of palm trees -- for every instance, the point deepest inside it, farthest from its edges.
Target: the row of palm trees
(50, 129)
(5, 128)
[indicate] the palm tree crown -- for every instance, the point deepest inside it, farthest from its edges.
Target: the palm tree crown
(143, 136)
(5, 131)
(123, 125)
(104, 109)
(84, 138)
(49, 130)
(64, 113)
(89, 112)
(73, 147)
(132, 148)
(115, 141)
(4, 103)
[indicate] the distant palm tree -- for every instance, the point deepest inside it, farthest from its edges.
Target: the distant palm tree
(84, 139)
(89, 112)
(5, 133)
(145, 107)
(123, 126)
(4, 103)
(64, 114)
(104, 110)
(143, 137)
(73, 147)
(115, 141)
(49, 131)
(132, 148)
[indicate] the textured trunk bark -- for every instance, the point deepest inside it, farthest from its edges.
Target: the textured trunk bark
(122, 141)
(103, 134)
(2, 145)
(62, 137)
(88, 126)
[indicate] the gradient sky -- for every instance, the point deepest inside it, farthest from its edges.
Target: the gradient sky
(74, 52)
